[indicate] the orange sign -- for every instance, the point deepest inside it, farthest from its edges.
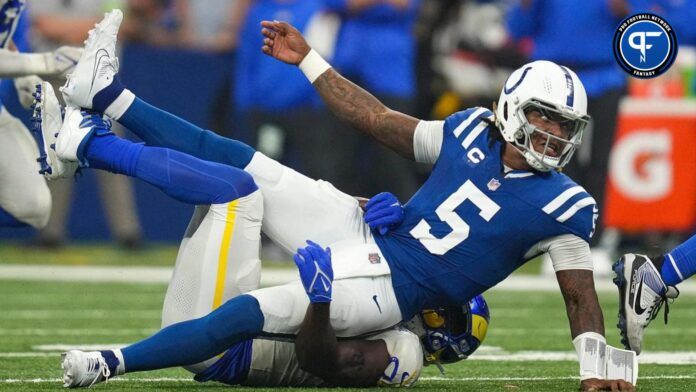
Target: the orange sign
(652, 168)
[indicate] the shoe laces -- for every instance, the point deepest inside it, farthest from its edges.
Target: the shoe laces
(100, 364)
(663, 299)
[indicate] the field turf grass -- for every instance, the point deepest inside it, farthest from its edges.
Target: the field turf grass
(37, 316)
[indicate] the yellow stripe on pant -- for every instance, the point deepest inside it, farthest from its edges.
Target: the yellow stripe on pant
(224, 251)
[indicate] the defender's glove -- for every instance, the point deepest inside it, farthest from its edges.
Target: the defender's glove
(316, 273)
(383, 212)
(26, 85)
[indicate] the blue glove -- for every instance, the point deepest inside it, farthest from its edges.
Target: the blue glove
(383, 212)
(316, 273)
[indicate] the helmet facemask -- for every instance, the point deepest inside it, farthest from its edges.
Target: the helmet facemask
(557, 150)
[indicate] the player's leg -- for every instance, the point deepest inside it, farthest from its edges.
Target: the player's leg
(274, 310)
(646, 284)
(359, 306)
(679, 264)
(24, 196)
(297, 208)
(206, 273)
(179, 344)
(218, 259)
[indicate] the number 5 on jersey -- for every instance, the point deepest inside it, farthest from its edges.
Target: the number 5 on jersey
(460, 229)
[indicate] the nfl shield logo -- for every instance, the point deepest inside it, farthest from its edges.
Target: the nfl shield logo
(493, 184)
(374, 258)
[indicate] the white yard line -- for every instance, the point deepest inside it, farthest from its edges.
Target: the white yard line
(439, 378)
(269, 277)
(657, 357)
(75, 331)
(190, 380)
(60, 347)
(66, 273)
(119, 379)
(50, 314)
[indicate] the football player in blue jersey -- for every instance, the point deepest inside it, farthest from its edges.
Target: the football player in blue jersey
(24, 197)
(493, 200)
(218, 260)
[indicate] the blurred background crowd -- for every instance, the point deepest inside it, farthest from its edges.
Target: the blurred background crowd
(201, 59)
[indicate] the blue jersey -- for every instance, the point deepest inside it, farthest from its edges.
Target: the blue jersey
(472, 224)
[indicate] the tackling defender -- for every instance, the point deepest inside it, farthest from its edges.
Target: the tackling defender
(521, 207)
(229, 229)
(24, 197)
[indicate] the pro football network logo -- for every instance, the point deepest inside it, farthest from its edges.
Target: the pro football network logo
(645, 45)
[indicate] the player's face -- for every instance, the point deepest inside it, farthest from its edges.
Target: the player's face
(560, 129)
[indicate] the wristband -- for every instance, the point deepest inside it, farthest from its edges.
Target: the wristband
(313, 65)
(592, 350)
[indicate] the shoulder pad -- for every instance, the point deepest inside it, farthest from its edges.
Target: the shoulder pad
(467, 124)
(571, 206)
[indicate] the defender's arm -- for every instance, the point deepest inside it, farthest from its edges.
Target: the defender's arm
(60, 61)
(346, 100)
(349, 363)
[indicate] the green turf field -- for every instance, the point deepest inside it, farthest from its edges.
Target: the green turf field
(38, 319)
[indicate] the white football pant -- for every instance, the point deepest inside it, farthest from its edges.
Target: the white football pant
(23, 191)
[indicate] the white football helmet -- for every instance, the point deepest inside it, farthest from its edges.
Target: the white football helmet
(558, 95)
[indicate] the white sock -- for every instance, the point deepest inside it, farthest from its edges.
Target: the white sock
(121, 369)
(120, 105)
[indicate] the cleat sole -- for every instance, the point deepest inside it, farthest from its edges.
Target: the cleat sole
(620, 282)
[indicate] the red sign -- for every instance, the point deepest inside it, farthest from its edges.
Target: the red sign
(652, 168)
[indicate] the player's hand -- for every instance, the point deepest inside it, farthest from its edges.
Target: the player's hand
(383, 212)
(316, 272)
(283, 42)
(594, 384)
(26, 85)
(64, 59)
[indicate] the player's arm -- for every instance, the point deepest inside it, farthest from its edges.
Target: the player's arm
(345, 99)
(348, 363)
(358, 363)
(60, 61)
(572, 261)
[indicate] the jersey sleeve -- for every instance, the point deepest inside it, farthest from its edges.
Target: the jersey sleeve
(406, 358)
(575, 211)
(567, 252)
(427, 141)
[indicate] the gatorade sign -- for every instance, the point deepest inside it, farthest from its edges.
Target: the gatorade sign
(652, 169)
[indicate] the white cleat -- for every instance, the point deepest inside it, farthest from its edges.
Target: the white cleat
(78, 127)
(47, 118)
(98, 64)
(83, 369)
(642, 292)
